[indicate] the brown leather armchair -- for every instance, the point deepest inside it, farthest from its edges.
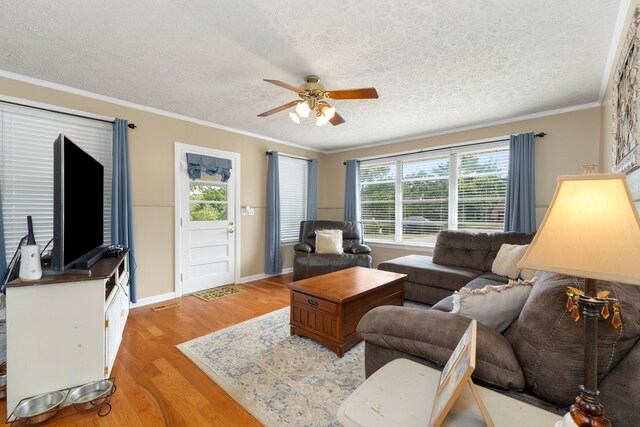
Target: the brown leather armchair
(308, 263)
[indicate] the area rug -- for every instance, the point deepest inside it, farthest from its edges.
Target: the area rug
(215, 293)
(283, 380)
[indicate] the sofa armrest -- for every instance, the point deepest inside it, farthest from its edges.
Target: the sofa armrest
(303, 247)
(432, 335)
(359, 248)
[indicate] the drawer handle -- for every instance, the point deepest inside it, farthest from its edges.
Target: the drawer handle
(312, 303)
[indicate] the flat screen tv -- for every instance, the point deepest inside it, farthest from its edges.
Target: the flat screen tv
(78, 207)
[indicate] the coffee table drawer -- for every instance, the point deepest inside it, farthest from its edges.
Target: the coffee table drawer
(314, 302)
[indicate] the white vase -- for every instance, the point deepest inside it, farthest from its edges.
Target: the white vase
(30, 267)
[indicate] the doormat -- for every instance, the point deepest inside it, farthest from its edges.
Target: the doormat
(216, 293)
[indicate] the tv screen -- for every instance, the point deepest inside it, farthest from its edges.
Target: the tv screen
(78, 213)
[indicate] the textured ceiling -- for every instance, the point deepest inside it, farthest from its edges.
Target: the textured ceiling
(435, 64)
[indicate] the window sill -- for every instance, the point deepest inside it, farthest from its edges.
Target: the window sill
(425, 247)
(288, 242)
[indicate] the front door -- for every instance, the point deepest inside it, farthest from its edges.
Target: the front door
(206, 225)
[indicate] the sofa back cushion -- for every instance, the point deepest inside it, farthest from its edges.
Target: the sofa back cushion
(549, 344)
(352, 232)
(462, 249)
(474, 250)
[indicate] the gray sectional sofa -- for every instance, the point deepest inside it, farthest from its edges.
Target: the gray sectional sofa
(458, 258)
(538, 359)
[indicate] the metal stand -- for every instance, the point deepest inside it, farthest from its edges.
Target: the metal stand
(587, 411)
(68, 409)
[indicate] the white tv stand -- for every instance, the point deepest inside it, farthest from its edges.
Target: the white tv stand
(65, 330)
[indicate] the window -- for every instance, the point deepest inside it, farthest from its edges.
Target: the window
(26, 168)
(208, 198)
(412, 198)
(293, 196)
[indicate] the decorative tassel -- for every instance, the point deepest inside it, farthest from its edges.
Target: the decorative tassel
(616, 322)
(575, 313)
(570, 304)
(605, 311)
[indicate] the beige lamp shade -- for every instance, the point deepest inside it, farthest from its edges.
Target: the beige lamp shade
(591, 230)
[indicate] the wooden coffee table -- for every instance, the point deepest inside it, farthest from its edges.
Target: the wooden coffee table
(328, 308)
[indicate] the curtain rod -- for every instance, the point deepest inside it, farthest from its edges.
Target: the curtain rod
(538, 135)
(131, 125)
(270, 152)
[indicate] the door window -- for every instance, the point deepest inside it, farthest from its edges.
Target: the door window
(208, 199)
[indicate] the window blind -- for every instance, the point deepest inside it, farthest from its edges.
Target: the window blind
(26, 160)
(293, 196)
(482, 189)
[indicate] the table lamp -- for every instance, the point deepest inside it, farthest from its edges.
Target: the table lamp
(591, 230)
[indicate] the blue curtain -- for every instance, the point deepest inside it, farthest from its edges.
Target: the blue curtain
(121, 203)
(520, 209)
(272, 251)
(198, 163)
(3, 255)
(312, 191)
(352, 192)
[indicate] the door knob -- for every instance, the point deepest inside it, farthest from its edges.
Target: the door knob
(230, 230)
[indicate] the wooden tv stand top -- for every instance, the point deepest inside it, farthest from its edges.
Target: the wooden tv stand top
(100, 270)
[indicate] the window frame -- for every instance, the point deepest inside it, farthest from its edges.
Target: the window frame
(453, 197)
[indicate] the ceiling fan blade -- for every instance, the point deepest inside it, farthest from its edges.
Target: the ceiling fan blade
(364, 93)
(284, 85)
(278, 109)
(336, 119)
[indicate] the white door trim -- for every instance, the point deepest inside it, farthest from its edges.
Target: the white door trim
(179, 148)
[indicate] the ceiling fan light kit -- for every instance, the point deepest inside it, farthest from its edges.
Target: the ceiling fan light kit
(314, 96)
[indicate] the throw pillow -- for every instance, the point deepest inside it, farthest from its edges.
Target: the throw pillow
(495, 306)
(549, 344)
(506, 262)
(527, 274)
(329, 242)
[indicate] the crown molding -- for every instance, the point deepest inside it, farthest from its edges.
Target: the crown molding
(480, 125)
(104, 98)
(618, 33)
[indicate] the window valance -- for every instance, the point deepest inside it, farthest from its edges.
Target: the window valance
(198, 163)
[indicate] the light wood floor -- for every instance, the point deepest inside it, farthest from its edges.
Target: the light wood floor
(156, 384)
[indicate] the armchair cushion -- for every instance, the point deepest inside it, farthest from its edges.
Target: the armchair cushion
(413, 331)
(359, 248)
(303, 247)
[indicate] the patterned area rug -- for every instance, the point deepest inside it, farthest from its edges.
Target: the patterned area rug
(215, 293)
(282, 380)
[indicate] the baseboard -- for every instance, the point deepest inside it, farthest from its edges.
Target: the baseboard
(171, 295)
(152, 300)
(263, 276)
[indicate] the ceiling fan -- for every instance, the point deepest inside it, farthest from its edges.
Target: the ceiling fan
(314, 97)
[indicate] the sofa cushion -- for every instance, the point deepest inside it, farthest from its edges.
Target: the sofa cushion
(421, 269)
(432, 335)
(549, 344)
(461, 249)
(496, 306)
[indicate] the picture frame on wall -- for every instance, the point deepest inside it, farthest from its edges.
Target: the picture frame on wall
(625, 127)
